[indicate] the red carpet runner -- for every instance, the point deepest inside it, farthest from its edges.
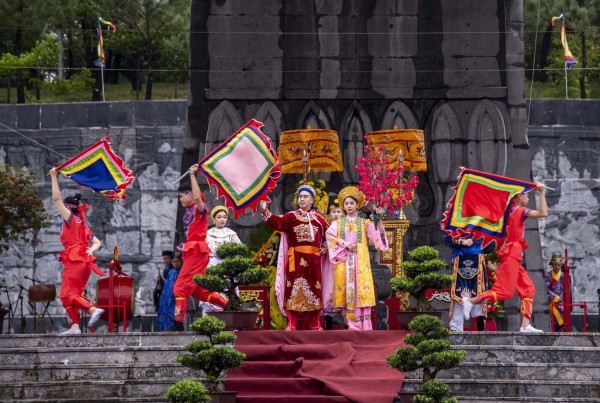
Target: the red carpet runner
(316, 366)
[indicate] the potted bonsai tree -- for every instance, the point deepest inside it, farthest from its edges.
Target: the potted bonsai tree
(430, 351)
(421, 272)
(213, 357)
(237, 268)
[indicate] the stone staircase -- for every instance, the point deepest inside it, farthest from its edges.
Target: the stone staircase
(132, 367)
(512, 367)
(139, 367)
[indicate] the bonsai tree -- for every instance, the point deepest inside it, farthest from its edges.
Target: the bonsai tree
(212, 356)
(420, 273)
(237, 268)
(430, 351)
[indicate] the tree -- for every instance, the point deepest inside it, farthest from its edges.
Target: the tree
(237, 268)
(421, 273)
(430, 351)
(21, 210)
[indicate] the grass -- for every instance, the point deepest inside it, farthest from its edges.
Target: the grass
(112, 92)
(163, 91)
(550, 90)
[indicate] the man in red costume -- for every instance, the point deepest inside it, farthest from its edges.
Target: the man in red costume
(299, 281)
(510, 275)
(78, 257)
(195, 252)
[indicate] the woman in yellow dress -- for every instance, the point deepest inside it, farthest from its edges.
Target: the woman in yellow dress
(347, 242)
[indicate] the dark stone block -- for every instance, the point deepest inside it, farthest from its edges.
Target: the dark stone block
(52, 116)
(8, 116)
(28, 117)
(245, 7)
(121, 114)
(98, 114)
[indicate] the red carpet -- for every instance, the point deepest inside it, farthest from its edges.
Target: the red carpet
(316, 366)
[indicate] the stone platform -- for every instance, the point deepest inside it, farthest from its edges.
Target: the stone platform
(512, 367)
(139, 367)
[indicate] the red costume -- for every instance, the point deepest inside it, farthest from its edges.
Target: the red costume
(510, 273)
(300, 288)
(195, 260)
(75, 237)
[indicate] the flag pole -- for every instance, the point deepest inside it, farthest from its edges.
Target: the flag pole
(102, 78)
(566, 82)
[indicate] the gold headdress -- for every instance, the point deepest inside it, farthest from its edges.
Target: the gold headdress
(352, 191)
(556, 258)
(217, 209)
(334, 205)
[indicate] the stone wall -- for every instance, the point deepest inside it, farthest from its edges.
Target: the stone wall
(148, 136)
(565, 148)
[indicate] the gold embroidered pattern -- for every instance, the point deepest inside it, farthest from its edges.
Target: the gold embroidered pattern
(289, 284)
(302, 232)
(318, 285)
(303, 262)
(302, 298)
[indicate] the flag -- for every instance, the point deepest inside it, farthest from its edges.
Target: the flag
(569, 59)
(480, 206)
(244, 168)
(101, 56)
(100, 169)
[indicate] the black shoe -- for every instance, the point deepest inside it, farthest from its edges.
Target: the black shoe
(177, 327)
(481, 324)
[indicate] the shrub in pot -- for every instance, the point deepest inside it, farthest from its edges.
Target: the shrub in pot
(237, 268)
(430, 351)
(188, 391)
(421, 271)
(212, 356)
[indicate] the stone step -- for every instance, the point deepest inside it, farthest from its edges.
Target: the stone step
(521, 339)
(87, 355)
(527, 354)
(97, 340)
(94, 399)
(540, 371)
(49, 373)
(86, 390)
(542, 389)
(471, 399)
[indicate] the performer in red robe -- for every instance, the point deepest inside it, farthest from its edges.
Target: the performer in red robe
(299, 284)
(510, 275)
(78, 257)
(195, 253)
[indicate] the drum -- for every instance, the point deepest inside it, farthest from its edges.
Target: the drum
(42, 293)
(123, 292)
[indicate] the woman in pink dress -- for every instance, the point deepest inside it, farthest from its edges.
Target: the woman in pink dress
(347, 241)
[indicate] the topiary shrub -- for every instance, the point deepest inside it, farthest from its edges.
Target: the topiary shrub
(187, 391)
(237, 268)
(429, 350)
(212, 356)
(420, 273)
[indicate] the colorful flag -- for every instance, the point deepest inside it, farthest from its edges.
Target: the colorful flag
(244, 168)
(101, 56)
(569, 59)
(480, 206)
(100, 169)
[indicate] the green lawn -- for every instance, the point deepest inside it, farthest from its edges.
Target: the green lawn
(119, 92)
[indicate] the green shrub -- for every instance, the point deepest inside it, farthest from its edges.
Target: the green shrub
(428, 350)
(421, 272)
(237, 268)
(212, 356)
(187, 391)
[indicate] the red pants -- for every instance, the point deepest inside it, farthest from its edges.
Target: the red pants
(193, 264)
(74, 279)
(511, 275)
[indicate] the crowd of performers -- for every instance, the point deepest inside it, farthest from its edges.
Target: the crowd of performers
(323, 262)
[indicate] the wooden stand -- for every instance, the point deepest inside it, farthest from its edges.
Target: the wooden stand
(395, 230)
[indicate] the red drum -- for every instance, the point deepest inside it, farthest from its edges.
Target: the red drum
(42, 293)
(123, 293)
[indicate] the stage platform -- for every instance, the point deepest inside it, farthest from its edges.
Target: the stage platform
(139, 367)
